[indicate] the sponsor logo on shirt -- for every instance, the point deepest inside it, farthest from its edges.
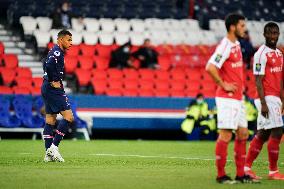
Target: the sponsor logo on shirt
(218, 58)
(276, 69)
(237, 64)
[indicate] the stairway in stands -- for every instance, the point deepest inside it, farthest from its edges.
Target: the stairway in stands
(26, 55)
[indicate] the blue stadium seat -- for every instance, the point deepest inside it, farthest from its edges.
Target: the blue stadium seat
(7, 120)
(79, 122)
(23, 110)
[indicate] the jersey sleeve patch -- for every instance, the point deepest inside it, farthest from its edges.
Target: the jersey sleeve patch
(56, 53)
(218, 58)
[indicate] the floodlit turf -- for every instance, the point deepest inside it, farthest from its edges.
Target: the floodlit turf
(120, 165)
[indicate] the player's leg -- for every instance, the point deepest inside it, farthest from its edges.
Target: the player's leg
(273, 153)
(255, 148)
(63, 126)
(50, 121)
(240, 150)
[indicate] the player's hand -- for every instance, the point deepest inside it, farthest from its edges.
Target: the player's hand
(264, 110)
(55, 84)
(229, 87)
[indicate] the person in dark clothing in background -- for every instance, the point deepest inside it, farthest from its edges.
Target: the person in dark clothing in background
(120, 57)
(147, 56)
(247, 49)
(61, 18)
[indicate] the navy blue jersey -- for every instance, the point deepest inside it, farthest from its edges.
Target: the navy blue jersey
(53, 67)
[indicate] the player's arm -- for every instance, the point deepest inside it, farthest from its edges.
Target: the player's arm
(52, 72)
(215, 62)
(259, 65)
(281, 95)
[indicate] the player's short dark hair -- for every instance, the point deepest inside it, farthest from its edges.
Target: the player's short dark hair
(62, 33)
(270, 25)
(233, 19)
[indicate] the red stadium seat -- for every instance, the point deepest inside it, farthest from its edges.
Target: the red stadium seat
(99, 74)
(86, 62)
(50, 45)
(178, 85)
(71, 63)
(37, 81)
(164, 62)
(193, 86)
(161, 84)
(146, 74)
(206, 77)
(191, 93)
(10, 60)
(178, 74)
(146, 93)
(21, 90)
(130, 92)
(165, 49)
(182, 49)
(2, 48)
(104, 50)
(130, 83)
(162, 93)
(146, 84)
(114, 73)
(177, 93)
(5, 90)
(101, 62)
(24, 72)
(208, 93)
(194, 50)
(193, 74)
(36, 91)
(209, 86)
(83, 77)
(87, 50)
(99, 86)
(24, 82)
(115, 84)
(8, 75)
(74, 50)
(130, 73)
(114, 92)
(162, 74)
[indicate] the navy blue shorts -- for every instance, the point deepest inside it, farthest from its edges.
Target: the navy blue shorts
(55, 100)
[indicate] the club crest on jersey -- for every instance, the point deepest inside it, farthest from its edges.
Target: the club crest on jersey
(218, 58)
(56, 53)
(258, 67)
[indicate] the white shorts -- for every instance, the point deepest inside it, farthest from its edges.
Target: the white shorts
(231, 113)
(274, 113)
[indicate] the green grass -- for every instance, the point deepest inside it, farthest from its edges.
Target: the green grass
(163, 165)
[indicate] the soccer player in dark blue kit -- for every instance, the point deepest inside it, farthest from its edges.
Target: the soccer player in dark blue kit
(54, 97)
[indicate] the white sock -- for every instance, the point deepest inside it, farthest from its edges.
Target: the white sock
(247, 168)
(272, 172)
(53, 146)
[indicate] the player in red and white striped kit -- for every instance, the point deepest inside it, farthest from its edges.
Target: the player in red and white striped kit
(268, 71)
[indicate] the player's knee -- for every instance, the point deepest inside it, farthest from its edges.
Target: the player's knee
(225, 136)
(243, 134)
(50, 120)
(69, 117)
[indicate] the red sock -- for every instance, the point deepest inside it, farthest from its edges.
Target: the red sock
(221, 157)
(273, 153)
(254, 149)
(240, 156)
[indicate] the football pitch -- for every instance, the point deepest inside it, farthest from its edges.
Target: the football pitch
(121, 164)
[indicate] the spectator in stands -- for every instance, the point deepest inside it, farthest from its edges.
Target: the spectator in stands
(247, 49)
(61, 18)
(120, 57)
(147, 55)
(198, 115)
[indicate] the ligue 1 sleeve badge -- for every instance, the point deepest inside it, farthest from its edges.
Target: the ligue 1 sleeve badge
(218, 58)
(258, 67)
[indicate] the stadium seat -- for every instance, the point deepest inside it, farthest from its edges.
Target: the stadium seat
(114, 84)
(114, 73)
(102, 63)
(44, 23)
(178, 74)
(121, 38)
(99, 74)
(90, 38)
(209, 86)
(106, 38)
(87, 50)
(36, 91)
(177, 93)
(162, 93)
(193, 86)
(73, 51)
(92, 25)
(193, 74)
(161, 84)
(147, 74)
(83, 77)
(165, 49)
(24, 72)
(99, 86)
(24, 82)
(146, 93)
(162, 74)
(164, 62)
(137, 25)
(8, 75)
(130, 83)
(37, 81)
(114, 92)
(7, 120)
(146, 84)
(177, 85)
(71, 63)
(77, 24)
(54, 33)
(130, 92)
(77, 37)
(2, 48)
(42, 38)
(107, 25)
(136, 38)
(10, 60)
(130, 74)
(29, 24)
(104, 50)
(79, 122)
(5, 90)
(23, 111)
(86, 62)
(122, 25)
(21, 90)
